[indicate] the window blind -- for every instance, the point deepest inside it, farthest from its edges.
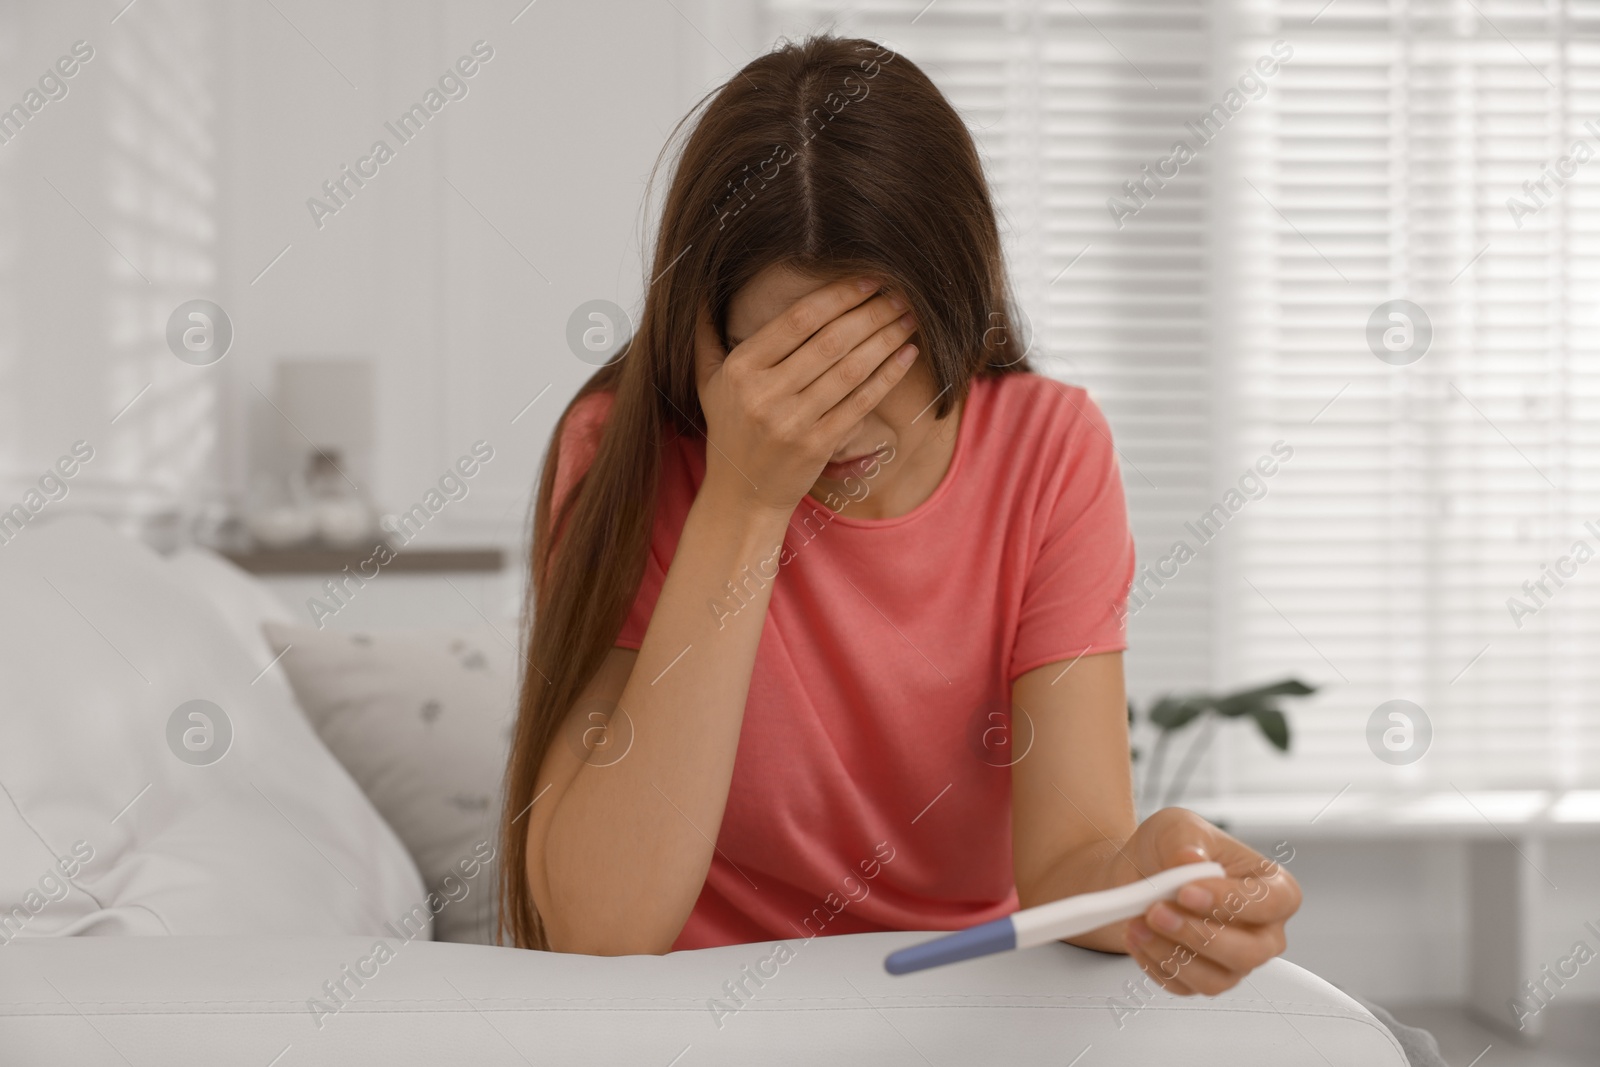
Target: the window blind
(1068, 101)
(1403, 154)
(1219, 308)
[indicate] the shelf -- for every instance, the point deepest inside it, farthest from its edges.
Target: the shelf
(322, 559)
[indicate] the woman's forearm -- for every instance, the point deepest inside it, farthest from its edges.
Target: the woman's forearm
(629, 843)
(1091, 867)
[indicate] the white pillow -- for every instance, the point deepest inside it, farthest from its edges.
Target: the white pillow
(422, 719)
(122, 813)
(243, 600)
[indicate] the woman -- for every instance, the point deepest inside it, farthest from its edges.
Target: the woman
(828, 586)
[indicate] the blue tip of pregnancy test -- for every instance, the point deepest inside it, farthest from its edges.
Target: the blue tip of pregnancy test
(981, 940)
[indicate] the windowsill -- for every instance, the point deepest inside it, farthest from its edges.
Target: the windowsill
(1446, 813)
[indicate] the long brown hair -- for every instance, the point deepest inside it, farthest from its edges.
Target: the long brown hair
(838, 158)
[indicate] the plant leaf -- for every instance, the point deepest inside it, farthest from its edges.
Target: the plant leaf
(1173, 713)
(1233, 707)
(1243, 701)
(1274, 727)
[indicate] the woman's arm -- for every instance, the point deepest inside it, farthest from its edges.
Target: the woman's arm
(626, 845)
(1072, 793)
(618, 853)
(1074, 831)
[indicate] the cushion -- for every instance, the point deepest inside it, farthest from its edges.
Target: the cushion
(422, 719)
(335, 1001)
(244, 601)
(151, 780)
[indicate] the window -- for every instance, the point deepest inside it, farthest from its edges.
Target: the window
(1402, 154)
(1217, 304)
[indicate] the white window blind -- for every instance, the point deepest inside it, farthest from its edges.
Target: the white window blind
(1420, 497)
(1067, 102)
(1229, 310)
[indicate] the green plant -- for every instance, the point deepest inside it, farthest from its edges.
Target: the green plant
(1170, 714)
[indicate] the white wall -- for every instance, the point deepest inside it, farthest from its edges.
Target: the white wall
(109, 200)
(192, 143)
(457, 266)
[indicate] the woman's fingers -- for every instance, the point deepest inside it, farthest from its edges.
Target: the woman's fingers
(1176, 966)
(1255, 898)
(824, 349)
(847, 374)
(1237, 946)
(1257, 890)
(854, 407)
(1175, 986)
(816, 311)
(821, 358)
(1166, 972)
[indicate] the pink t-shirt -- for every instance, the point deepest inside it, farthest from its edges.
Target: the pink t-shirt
(871, 790)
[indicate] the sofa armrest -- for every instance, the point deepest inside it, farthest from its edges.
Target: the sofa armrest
(345, 1000)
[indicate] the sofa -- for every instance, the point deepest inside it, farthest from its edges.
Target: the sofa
(228, 837)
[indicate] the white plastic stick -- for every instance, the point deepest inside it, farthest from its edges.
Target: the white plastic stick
(1090, 911)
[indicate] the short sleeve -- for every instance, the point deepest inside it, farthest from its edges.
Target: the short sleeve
(1074, 602)
(580, 440)
(579, 443)
(644, 602)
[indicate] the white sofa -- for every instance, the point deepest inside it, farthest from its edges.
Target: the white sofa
(272, 885)
(178, 1001)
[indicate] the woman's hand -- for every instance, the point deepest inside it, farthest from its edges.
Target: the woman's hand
(1220, 929)
(784, 399)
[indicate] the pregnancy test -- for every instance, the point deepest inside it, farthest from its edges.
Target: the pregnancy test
(1050, 922)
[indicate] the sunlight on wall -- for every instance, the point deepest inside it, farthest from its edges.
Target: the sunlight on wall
(160, 156)
(10, 399)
